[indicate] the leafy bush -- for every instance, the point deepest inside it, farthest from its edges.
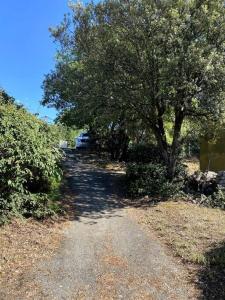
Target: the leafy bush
(149, 179)
(144, 153)
(217, 199)
(191, 146)
(214, 200)
(204, 188)
(66, 133)
(29, 163)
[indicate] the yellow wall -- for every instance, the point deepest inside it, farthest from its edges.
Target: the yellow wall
(212, 153)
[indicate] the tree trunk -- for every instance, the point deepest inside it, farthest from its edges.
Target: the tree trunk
(169, 153)
(124, 148)
(179, 117)
(160, 135)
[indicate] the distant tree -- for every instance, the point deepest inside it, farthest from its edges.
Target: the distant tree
(5, 98)
(149, 61)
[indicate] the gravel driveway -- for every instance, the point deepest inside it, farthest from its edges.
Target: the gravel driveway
(105, 253)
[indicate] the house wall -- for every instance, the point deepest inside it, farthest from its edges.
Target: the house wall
(212, 153)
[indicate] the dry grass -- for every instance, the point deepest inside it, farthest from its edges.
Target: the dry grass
(23, 244)
(191, 231)
(107, 164)
(115, 166)
(26, 242)
(192, 164)
(103, 161)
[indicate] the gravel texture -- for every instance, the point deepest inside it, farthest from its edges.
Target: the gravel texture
(105, 253)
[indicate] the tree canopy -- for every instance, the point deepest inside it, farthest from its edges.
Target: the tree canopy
(140, 63)
(5, 98)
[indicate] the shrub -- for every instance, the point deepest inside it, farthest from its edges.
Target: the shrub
(68, 134)
(144, 153)
(149, 179)
(29, 163)
(203, 188)
(217, 199)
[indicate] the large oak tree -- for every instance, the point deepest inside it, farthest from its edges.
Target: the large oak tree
(149, 60)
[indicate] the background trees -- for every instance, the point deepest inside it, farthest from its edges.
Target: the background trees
(141, 63)
(5, 98)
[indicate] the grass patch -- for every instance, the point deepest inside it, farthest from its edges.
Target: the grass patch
(114, 166)
(191, 231)
(24, 242)
(193, 165)
(104, 162)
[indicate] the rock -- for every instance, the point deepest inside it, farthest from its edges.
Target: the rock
(210, 175)
(202, 182)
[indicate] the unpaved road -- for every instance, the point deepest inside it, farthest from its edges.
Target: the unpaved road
(106, 254)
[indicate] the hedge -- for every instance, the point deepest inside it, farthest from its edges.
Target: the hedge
(29, 163)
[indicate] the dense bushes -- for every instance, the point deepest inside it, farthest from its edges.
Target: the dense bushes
(149, 179)
(66, 133)
(216, 200)
(144, 153)
(28, 163)
(147, 174)
(204, 188)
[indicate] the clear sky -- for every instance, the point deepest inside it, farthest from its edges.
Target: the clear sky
(26, 48)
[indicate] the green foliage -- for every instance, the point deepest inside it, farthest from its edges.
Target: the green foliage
(5, 98)
(66, 133)
(29, 163)
(191, 146)
(150, 63)
(217, 199)
(149, 180)
(144, 153)
(192, 131)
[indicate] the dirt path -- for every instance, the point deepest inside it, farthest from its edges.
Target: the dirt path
(105, 253)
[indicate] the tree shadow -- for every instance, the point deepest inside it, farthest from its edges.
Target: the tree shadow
(211, 278)
(91, 192)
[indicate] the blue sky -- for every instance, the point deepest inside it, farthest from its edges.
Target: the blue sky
(26, 48)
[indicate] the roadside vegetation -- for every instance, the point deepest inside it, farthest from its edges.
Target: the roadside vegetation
(31, 207)
(30, 171)
(145, 98)
(127, 81)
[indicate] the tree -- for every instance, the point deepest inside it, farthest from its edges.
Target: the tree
(154, 61)
(5, 98)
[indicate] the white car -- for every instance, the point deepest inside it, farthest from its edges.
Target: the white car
(83, 141)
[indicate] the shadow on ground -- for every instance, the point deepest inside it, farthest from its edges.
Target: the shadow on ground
(94, 192)
(211, 278)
